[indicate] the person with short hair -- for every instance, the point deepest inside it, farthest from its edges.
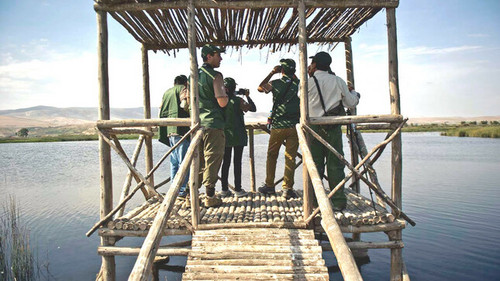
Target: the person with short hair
(328, 94)
(236, 135)
(212, 101)
(171, 135)
(285, 115)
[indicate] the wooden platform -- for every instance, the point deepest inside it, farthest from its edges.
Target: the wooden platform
(254, 208)
(255, 254)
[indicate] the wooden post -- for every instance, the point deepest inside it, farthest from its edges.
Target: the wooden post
(346, 261)
(251, 152)
(350, 82)
(354, 148)
(396, 254)
(148, 148)
(304, 101)
(194, 179)
(108, 263)
(143, 265)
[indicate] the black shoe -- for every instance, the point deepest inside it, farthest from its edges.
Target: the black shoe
(339, 207)
(264, 189)
(289, 193)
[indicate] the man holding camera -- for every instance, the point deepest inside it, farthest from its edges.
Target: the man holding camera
(328, 94)
(236, 135)
(284, 115)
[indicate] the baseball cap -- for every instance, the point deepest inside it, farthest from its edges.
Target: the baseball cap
(229, 83)
(209, 49)
(288, 65)
(322, 58)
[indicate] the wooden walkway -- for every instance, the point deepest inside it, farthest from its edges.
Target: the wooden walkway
(255, 254)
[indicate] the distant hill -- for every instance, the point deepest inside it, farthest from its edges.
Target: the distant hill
(71, 115)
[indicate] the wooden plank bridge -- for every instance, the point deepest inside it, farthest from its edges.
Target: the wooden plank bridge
(255, 254)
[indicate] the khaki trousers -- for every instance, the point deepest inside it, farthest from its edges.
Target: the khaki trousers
(289, 137)
(214, 142)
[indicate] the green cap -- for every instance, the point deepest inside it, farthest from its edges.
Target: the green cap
(230, 83)
(209, 49)
(288, 65)
(322, 58)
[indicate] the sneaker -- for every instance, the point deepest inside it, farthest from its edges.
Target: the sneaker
(213, 201)
(289, 193)
(241, 193)
(226, 193)
(264, 189)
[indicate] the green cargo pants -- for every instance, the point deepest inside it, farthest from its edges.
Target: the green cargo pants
(335, 168)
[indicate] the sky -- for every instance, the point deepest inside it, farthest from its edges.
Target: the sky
(449, 59)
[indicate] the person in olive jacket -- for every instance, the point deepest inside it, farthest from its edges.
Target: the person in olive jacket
(236, 135)
(212, 100)
(285, 115)
(171, 108)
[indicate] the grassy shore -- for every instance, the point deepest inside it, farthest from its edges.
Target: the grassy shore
(476, 131)
(59, 138)
(465, 129)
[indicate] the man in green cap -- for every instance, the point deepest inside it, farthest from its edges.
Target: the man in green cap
(328, 94)
(284, 115)
(171, 108)
(212, 100)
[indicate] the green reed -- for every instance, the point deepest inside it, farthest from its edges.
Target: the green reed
(17, 259)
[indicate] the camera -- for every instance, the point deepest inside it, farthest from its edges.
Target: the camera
(242, 91)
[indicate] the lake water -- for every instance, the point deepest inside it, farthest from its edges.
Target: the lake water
(450, 188)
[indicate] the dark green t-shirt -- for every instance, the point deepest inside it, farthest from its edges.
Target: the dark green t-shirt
(236, 134)
(211, 114)
(286, 114)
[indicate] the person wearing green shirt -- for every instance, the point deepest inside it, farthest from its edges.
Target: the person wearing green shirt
(285, 115)
(171, 135)
(236, 135)
(212, 100)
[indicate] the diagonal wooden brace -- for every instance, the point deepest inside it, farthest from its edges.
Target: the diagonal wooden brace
(150, 189)
(354, 170)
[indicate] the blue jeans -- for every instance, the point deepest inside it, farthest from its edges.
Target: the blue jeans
(176, 158)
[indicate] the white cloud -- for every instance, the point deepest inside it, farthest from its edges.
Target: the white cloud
(419, 51)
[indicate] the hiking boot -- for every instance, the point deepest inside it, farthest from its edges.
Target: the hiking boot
(241, 193)
(226, 193)
(264, 189)
(338, 207)
(213, 201)
(289, 193)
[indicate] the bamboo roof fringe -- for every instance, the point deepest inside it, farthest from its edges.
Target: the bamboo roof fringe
(162, 24)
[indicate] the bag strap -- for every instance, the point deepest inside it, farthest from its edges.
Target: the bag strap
(320, 95)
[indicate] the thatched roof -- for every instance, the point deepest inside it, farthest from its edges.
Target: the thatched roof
(162, 24)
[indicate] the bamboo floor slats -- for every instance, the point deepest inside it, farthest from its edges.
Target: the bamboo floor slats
(255, 254)
(254, 208)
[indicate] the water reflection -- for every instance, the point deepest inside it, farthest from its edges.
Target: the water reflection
(450, 188)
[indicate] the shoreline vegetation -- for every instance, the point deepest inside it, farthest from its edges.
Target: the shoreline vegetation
(483, 129)
(18, 259)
